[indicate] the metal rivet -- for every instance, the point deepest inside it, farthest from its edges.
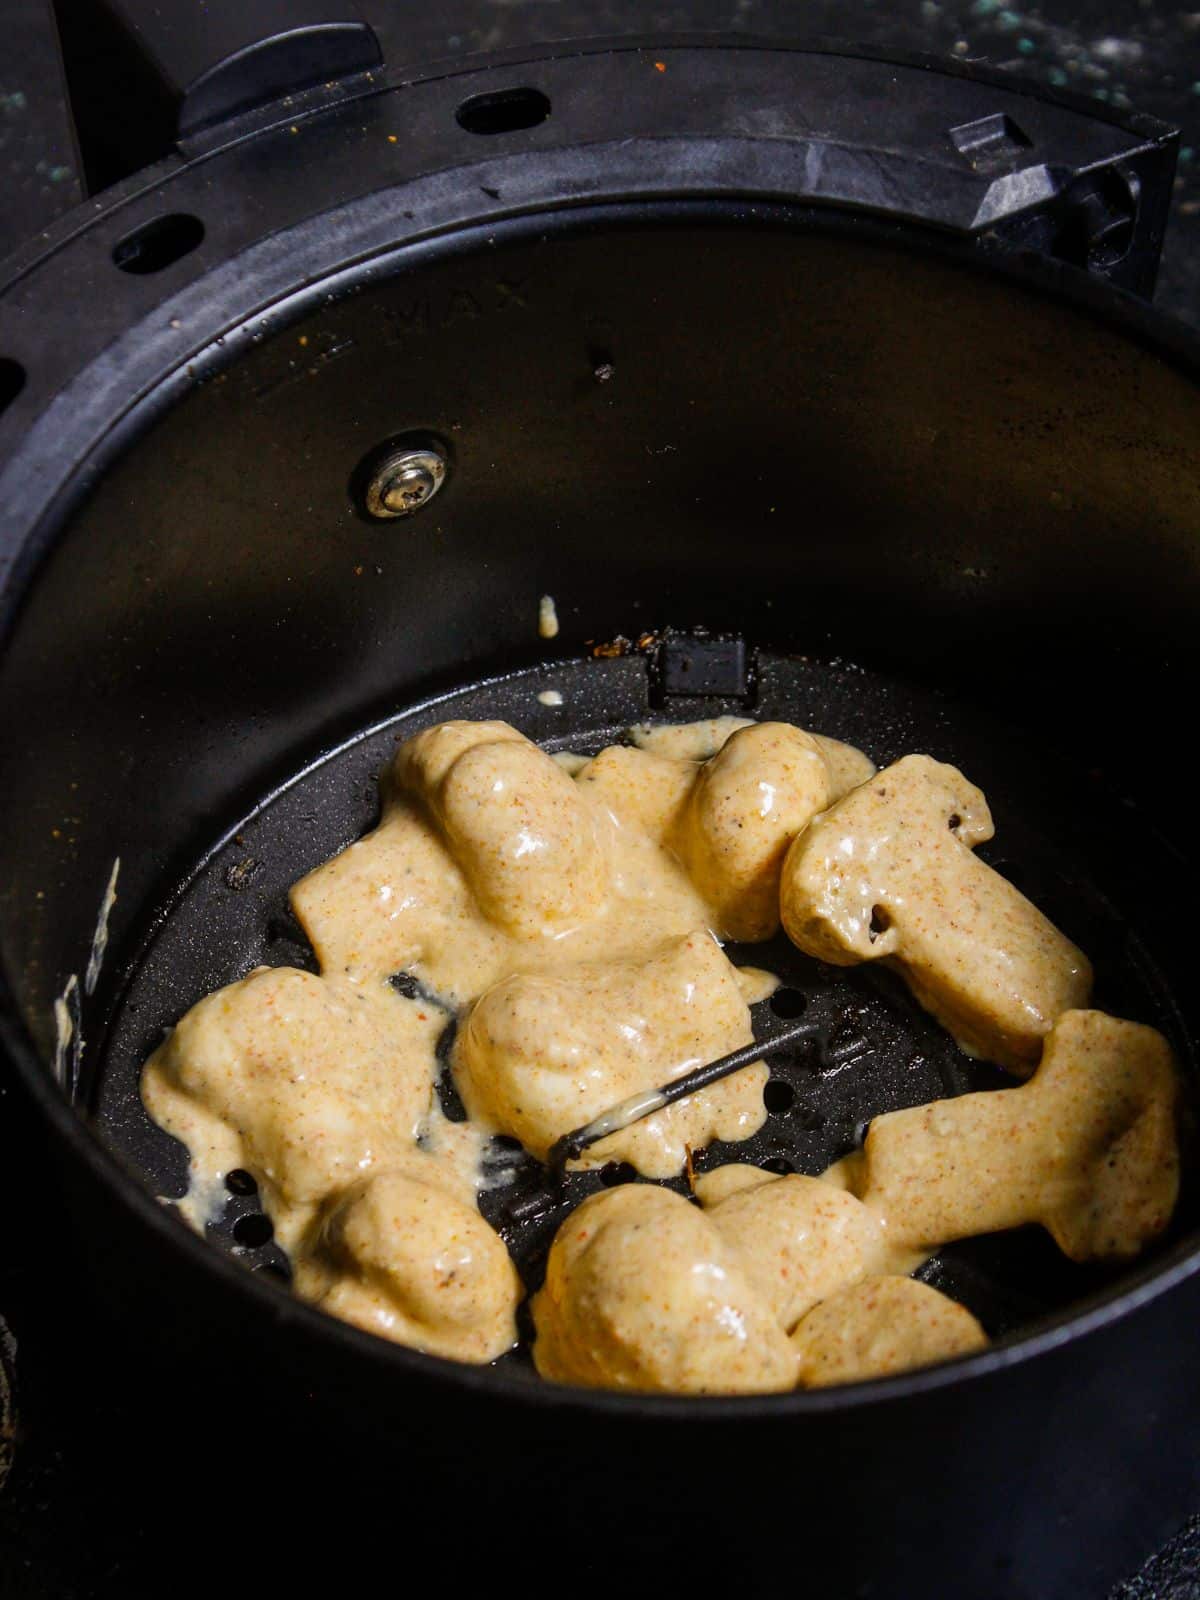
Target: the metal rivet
(404, 482)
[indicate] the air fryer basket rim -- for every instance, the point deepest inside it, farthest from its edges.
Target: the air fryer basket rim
(117, 396)
(281, 1306)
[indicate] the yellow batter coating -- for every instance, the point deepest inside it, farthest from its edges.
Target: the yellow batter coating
(748, 803)
(540, 1055)
(399, 899)
(700, 741)
(798, 1239)
(308, 1082)
(642, 1292)
(640, 789)
(514, 822)
(492, 873)
(566, 911)
(1088, 1148)
(888, 874)
(405, 1256)
(880, 1326)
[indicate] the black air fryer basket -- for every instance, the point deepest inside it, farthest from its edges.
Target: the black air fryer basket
(811, 386)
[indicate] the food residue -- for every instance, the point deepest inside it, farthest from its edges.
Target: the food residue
(547, 617)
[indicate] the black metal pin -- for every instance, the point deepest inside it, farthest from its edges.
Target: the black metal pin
(777, 1034)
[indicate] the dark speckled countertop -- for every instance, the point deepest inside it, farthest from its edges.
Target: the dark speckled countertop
(62, 1532)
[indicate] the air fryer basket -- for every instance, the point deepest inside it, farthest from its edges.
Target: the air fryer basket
(935, 502)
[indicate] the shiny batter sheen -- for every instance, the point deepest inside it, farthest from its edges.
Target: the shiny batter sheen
(747, 804)
(541, 1054)
(889, 874)
(642, 1292)
(311, 1083)
(407, 1256)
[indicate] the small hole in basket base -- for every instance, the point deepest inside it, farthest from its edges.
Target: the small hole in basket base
(239, 1181)
(617, 1172)
(788, 1003)
(780, 1165)
(253, 1231)
(778, 1095)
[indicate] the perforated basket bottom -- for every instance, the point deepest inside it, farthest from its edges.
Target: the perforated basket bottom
(1056, 830)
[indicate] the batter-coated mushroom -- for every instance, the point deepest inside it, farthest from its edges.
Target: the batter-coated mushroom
(888, 874)
(515, 823)
(640, 789)
(310, 1082)
(748, 803)
(1088, 1148)
(459, 894)
(404, 1256)
(799, 1240)
(642, 1292)
(541, 1054)
(700, 741)
(879, 1326)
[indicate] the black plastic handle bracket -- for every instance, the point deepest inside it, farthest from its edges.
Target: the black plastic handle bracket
(980, 155)
(215, 60)
(1109, 219)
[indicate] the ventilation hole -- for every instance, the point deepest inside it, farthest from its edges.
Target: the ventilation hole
(253, 1230)
(158, 244)
(617, 1172)
(507, 111)
(273, 1269)
(449, 1103)
(12, 381)
(789, 1003)
(811, 1121)
(955, 823)
(780, 1165)
(880, 922)
(239, 1181)
(778, 1095)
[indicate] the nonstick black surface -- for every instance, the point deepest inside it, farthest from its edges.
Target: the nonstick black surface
(1059, 835)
